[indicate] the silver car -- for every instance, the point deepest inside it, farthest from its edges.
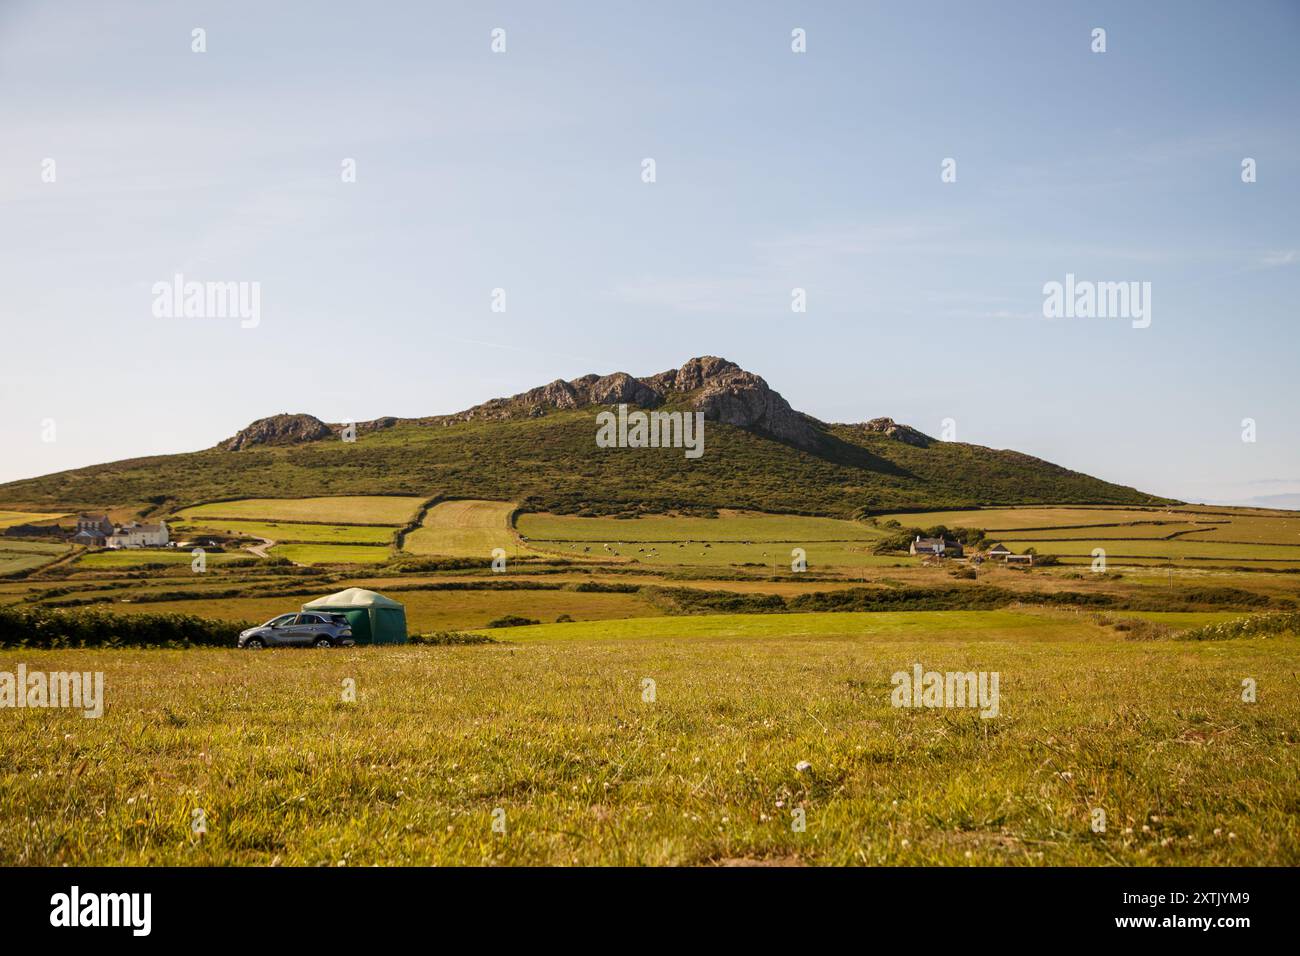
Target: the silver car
(299, 630)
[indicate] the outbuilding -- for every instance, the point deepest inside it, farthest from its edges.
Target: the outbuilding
(375, 619)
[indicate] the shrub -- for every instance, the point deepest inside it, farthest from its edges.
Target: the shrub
(450, 637)
(1259, 625)
(512, 620)
(43, 627)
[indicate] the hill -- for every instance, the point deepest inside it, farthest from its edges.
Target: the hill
(539, 447)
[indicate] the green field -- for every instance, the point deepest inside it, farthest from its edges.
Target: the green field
(140, 557)
(16, 555)
(736, 526)
(466, 529)
(345, 509)
(1173, 550)
(732, 539)
(1186, 533)
(553, 733)
(332, 553)
(1049, 516)
(289, 531)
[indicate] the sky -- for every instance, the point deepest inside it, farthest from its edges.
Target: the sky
(774, 170)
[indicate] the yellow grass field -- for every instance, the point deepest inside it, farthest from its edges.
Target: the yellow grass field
(10, 518)
(466, 529)
(345, 509)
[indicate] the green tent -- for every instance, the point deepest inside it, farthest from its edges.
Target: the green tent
(375, 619)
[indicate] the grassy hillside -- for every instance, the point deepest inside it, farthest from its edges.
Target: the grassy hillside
(551, 463)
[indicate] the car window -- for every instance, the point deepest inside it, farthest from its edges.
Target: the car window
(311, 619)
(281, 621)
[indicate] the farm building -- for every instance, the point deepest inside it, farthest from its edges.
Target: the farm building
(137, 535)
(939, 547)
(999, 551)
(375, 619)
(95, 524)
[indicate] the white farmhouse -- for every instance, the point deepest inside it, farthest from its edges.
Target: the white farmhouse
(136, 535)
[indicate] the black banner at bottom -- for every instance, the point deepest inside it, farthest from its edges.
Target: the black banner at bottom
(336, 906)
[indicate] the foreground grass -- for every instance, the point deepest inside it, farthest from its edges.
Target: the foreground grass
(556, 735)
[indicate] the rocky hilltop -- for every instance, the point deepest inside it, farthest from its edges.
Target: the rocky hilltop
(719, 388)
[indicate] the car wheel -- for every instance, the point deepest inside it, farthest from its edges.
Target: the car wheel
(323, 642)
(254, 644)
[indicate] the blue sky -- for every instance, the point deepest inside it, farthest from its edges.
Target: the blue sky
(775, 170)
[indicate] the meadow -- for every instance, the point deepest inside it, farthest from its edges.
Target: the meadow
(10, 518)
(19, 555)
(466, 529)
(333, 553)
(343, 509)
(144, 557)
(732, 539)
(1101, 705)
(551, 734)
(288, 531)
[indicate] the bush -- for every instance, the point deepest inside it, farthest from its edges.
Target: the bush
(512, 620)
(442, 638)
(1259, 625)
(43, 627)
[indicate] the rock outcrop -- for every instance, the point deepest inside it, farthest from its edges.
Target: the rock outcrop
(621, 388)
(727, 393)
(279, 430)
(892, 429)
